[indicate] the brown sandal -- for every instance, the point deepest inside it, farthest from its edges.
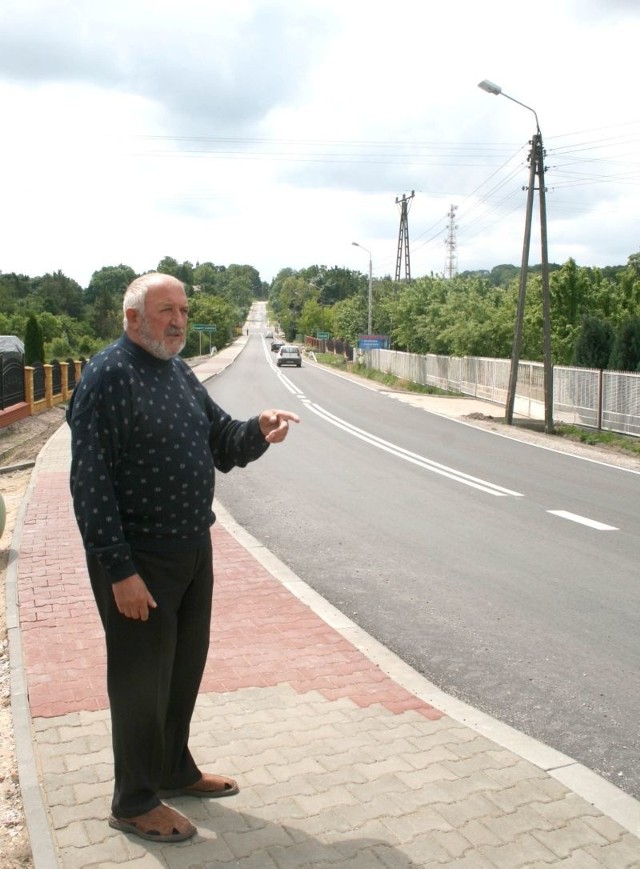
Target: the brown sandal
(209, 786)
(161, 824)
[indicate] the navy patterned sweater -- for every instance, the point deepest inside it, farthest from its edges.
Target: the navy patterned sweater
(146, 439)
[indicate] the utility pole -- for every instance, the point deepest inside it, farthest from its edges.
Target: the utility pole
(546, 295)
(522, 293)
(403, 237)
(536, 169)
(451, 262)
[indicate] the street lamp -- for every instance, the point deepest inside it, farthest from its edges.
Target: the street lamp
(370, 297)
(536, 167)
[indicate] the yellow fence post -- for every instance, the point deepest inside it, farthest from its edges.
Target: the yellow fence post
(48, 384)
(64, 378)
(28, 387)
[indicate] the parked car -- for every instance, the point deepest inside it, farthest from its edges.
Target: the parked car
(276, 344)
(289, 354)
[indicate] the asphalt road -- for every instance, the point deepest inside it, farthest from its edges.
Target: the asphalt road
(505, 574)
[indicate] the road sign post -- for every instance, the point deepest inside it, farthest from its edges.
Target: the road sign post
(204, 327)
(373, 342)
(324, 337)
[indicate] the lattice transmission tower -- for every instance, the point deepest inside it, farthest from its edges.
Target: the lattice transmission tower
(403, 237)
(451, 262)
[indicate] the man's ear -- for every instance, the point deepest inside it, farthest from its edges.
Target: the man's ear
(133, 319)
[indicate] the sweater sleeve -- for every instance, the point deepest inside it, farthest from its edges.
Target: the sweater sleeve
(98, 436)
(234, 443)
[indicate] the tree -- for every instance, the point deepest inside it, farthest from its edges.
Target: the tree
(59, 348)
(13, 287)
(59, 294)
(594, 343)
(110, 280)
(50, 326)
(33, 342)
(287, 298)
(420, 320)
(248, 275)
(625, 355)
(241, 286)
(210, 311)
(209, 278)
(334, 284)
(503, 275)
(349, 318)
(476, 318)
(629, 284)
(104, 297)
(314, 318)
(384, 307)
(567, 289)
(182, 271)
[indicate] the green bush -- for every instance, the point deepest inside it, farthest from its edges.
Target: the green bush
(59, 348)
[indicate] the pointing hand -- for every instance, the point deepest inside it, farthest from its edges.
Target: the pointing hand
(274, 424)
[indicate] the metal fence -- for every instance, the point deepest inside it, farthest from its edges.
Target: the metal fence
(56, 377)
(582, 396)
(71, 372)
(11, 381)
(39, 383)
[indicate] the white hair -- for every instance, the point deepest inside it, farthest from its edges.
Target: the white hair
(136, 293)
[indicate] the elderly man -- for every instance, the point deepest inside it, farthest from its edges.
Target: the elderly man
(146, 440)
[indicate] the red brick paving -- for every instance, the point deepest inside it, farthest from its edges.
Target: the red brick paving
(262, 635)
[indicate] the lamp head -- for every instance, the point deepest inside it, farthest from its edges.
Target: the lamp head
(490, 87)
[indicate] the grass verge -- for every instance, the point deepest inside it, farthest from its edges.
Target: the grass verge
(592, 437)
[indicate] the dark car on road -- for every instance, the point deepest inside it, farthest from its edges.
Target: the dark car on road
(289, 354)
(276, 344)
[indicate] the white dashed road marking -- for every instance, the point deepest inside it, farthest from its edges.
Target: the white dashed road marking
(582, 520)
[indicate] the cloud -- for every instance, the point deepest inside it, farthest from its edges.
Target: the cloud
(212, 72)
(608, 9)
(275, 132)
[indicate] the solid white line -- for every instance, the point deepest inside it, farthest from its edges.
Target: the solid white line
(414, 458)
(582, 520)
(293, 389)
(393, 449)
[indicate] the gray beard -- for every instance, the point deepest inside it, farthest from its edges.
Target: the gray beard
(155, 347)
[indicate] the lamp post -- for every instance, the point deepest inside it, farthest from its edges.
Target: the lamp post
(536, 167)
(370, 296)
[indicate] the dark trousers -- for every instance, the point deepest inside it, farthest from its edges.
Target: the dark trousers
(154, 670)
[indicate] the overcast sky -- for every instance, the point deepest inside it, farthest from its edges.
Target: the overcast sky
(276, 132)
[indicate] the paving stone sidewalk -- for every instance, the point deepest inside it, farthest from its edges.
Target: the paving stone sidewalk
(345, 756)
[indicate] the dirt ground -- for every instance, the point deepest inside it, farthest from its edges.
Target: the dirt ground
(20, 444)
